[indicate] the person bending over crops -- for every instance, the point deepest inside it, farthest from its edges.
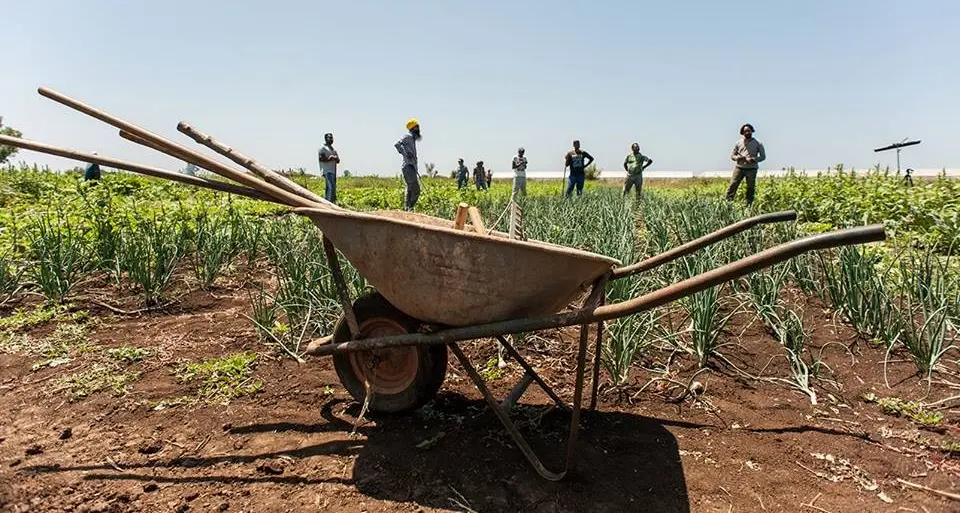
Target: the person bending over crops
(407, 147)
(577, 160)
(462, 174)
(634, 165)
(328, 168)
(520, 173)
(92, 172)
(480, 176)
(747, 154)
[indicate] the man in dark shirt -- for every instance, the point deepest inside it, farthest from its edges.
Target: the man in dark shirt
(92, 172)
(577, 160)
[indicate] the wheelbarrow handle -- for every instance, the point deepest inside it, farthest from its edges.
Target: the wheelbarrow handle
(731, 271)
(700, 243)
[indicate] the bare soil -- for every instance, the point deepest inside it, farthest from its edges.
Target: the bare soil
(742, 445)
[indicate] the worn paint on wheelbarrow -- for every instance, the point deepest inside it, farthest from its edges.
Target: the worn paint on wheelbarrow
(433, 272)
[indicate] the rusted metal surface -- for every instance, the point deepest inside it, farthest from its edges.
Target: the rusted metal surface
(700, 243)
(731, 271)
(435, 273)
(528, 371)
(345, 301)
(178, 151)
(511, 428)
(104, 160)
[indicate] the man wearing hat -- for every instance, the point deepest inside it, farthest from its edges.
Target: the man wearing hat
(328, 168)
(520, 173)
(407, 147)
(747, 154)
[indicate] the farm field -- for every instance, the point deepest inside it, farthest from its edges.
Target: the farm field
(152, 341)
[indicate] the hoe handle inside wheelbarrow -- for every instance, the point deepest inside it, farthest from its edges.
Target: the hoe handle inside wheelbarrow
(731, 271)
(706, 240)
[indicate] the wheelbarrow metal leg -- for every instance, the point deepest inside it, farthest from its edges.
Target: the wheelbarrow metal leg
(595, 383)
(518, 391)
(341, 285)
(577, 399)
(508, 424)
(529, 374)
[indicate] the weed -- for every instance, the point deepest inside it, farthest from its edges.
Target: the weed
(222, 379)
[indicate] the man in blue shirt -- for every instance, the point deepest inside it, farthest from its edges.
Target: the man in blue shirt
(407, 147)
(462, 174)
(577, 160)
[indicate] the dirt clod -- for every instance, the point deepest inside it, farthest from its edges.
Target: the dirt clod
(66, 434)
(150, 487)
(150, 448)
(34, 450)
(271, 468)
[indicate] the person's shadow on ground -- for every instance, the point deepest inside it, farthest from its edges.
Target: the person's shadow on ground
(454, 454)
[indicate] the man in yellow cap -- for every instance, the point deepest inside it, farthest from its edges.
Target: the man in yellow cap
(407, 147)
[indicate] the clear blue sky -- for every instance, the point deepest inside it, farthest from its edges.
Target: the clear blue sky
(822, 81)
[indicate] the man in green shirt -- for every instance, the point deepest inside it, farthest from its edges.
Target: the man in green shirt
(634, 165)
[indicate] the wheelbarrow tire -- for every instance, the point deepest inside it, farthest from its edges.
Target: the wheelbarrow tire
(412, 376)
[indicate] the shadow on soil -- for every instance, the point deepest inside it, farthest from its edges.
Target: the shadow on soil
(454, 454)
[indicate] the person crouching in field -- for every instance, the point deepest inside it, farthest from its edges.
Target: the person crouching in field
(634, 165)
(407, 147)
(519, 173)
(462, 173)
(747, 153)
(480, 177)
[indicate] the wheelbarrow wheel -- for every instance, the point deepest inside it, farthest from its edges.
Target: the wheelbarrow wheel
(401, 379)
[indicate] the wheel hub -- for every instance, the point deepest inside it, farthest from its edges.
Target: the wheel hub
(389, 371)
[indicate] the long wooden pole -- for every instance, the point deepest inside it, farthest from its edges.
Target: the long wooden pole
(133, 167)
(267, 174)
(203, 161)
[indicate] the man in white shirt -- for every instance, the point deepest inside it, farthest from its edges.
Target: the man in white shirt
(520, 173)
(328, 168)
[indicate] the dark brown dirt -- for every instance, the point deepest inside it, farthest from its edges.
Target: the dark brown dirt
(746, 445)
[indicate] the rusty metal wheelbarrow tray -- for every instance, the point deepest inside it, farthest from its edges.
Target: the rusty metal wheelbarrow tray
(438, 274)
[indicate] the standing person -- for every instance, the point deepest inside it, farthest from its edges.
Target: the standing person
(489, 181)
(462, 174)
(407, 146)
(92, 172)
(329, 158)
(747, 154)
(520, 173)
(480, 176)
(577, 160)
(634, 165)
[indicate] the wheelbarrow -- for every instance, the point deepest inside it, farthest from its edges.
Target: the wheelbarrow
(438, 286)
